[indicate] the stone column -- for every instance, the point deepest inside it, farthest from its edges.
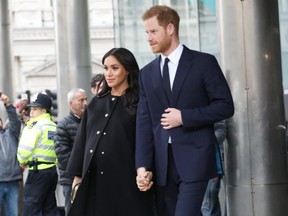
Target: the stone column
(72, 49)
(256, 163)
(6, 83)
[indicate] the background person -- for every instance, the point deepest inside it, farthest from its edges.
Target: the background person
(24, 111)
(96, 83)
(103, 156)
(64, 139)
(10, 170)
(211, 204)
(175, 115)
(36, 150)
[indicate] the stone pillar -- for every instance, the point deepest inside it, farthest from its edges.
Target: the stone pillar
(72, 49)
(62, 61)
(79, 44)
(256, 162)
(6, 83)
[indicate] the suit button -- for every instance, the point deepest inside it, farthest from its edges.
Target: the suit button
(91, 151)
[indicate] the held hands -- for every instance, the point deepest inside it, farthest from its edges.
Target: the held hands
(144, 179)
(171, 118)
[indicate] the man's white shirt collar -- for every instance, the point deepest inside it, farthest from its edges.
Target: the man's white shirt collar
(174, 57)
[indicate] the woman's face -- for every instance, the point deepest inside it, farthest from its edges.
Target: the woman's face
(116, 75)
(36, 111)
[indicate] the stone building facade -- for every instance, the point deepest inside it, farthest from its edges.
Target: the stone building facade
(33, 44)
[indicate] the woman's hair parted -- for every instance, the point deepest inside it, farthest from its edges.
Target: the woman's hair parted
(128, 61)
(164, 14)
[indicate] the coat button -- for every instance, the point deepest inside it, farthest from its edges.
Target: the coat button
(102, 152)
(98, 132)
(104, 133)
(106, 115)
(113, 99)
(91, 151)
(101, 173)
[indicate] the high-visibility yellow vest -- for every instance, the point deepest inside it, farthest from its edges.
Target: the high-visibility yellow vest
(37, 142)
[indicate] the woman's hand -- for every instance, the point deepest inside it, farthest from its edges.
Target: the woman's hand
(76, 181)
(144, 179)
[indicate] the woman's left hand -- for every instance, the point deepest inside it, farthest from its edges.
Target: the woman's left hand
(144, 180)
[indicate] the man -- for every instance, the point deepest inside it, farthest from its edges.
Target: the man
(211, 205)
(36, 150)
(64, 139)
(175, 135)
(96, 83)
(10, 170)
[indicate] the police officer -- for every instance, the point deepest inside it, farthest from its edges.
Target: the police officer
(36, 151)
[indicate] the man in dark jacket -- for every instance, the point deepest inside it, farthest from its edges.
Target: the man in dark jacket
(64, 139)
(10, 171)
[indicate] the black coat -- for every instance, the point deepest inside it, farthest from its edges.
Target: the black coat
(104, 155)
(64, 139)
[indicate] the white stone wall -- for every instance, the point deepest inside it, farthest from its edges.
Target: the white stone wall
(34, 46)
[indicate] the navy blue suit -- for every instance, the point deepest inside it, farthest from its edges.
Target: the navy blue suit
(201, 93)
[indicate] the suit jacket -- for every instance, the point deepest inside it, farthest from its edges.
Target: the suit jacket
(201, 92)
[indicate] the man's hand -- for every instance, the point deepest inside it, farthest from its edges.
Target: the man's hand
(144, 179)
(5, 99)
(171, 118)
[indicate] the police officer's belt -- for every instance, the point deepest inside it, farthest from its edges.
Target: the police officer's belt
(33, 163)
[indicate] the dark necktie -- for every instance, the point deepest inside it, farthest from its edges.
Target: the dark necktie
(166, 79)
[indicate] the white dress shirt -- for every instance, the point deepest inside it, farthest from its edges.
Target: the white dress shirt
(174, 58)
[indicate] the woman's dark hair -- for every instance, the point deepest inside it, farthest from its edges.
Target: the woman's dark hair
(97, 78)
(128, 61)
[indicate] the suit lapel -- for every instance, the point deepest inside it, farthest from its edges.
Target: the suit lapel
(158, 83)
(183, 68)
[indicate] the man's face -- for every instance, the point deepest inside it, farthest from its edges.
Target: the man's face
(157, 36)
(78, 103)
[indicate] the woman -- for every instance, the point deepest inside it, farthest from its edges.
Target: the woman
(102, 158)
(36, 151)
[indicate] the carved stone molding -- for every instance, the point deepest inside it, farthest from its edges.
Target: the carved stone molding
(33, 34)
(48, 33)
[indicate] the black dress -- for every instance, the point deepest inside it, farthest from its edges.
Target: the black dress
(110, 181)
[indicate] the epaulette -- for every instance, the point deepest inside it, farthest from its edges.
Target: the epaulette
(32, 124)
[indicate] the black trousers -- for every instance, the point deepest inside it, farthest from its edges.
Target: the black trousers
(39, 193)
(179, 198)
